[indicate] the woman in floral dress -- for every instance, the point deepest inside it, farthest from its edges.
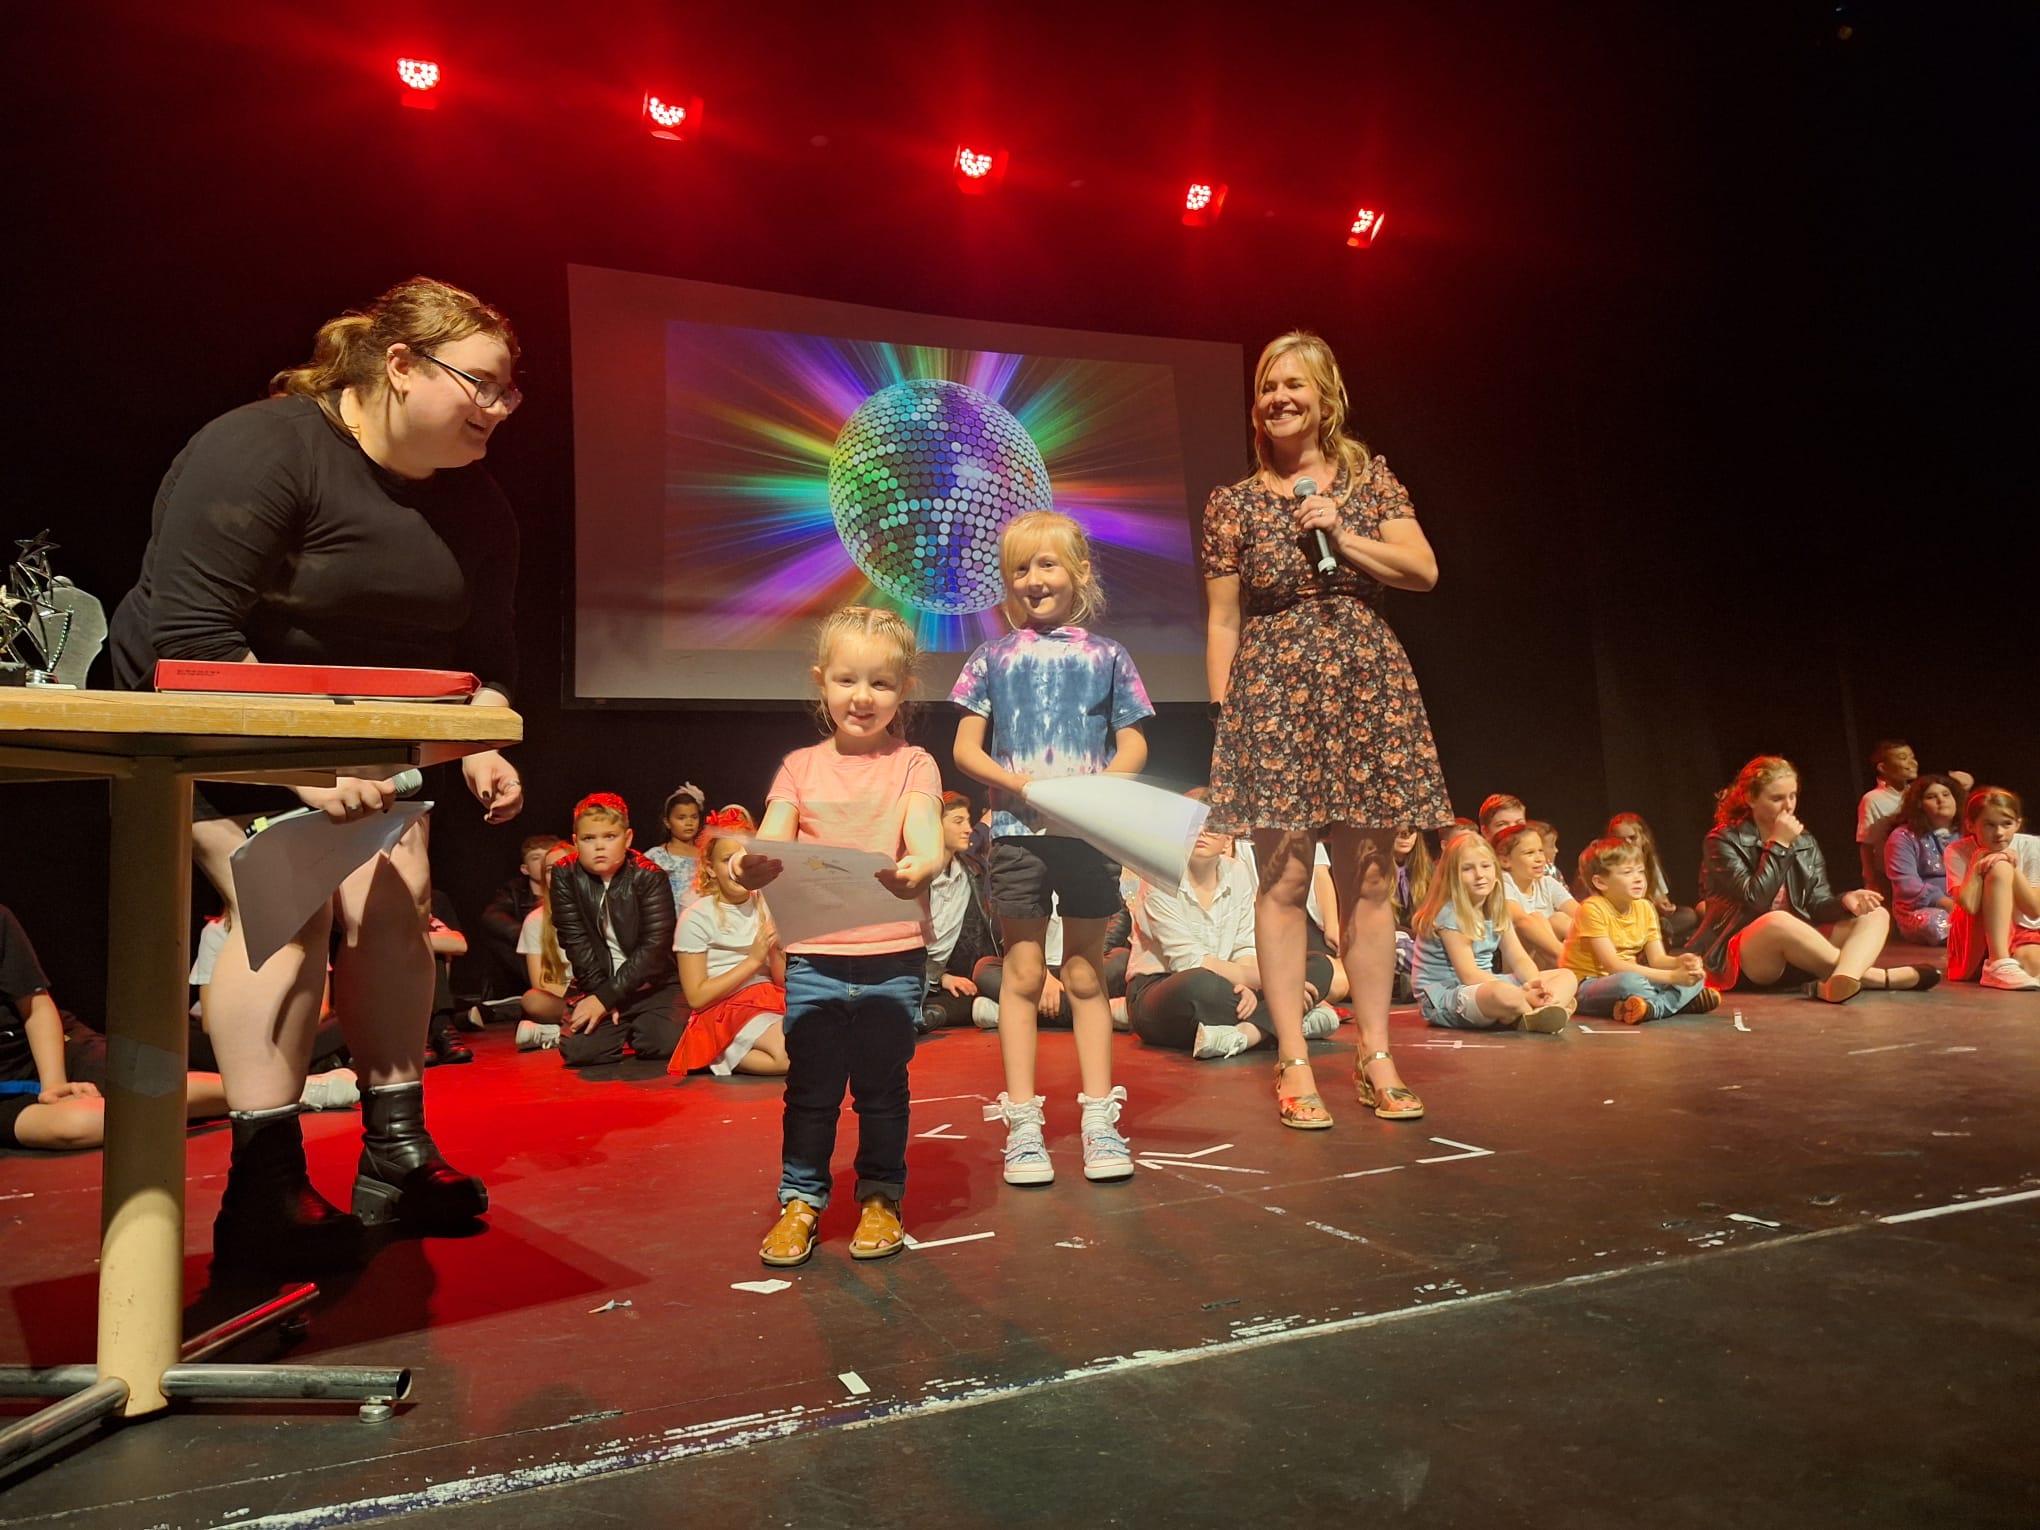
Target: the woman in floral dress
(1321, 730)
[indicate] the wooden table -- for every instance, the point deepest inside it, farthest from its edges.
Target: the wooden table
(149, 748)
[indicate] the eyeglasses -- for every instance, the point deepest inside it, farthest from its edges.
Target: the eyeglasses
(488, 392)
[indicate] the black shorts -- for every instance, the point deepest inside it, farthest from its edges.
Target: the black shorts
(1030, 870)
(84, 1063)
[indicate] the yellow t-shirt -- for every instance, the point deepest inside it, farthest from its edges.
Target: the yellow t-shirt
(1631, 932)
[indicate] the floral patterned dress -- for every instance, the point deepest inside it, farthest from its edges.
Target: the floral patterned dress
(1323, 721)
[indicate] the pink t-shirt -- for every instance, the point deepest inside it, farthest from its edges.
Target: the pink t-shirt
(859, 801)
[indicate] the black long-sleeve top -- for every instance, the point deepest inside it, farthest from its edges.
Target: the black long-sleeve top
(274, 534)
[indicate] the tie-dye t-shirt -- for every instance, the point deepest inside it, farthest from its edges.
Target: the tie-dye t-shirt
(1054, 701)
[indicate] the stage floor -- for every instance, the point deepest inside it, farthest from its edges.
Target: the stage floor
(1781, 1271)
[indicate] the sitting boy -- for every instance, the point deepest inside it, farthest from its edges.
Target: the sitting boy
(1617, 948)
(612, 911)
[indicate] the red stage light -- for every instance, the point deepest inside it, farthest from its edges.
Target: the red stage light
(1203, 202)
(1366, 228)
(977, 171)
(672, 119)
(421, 78)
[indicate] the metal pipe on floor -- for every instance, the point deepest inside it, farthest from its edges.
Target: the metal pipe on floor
(205, 1345)
(349, 1383)
(46, 1380)
(61, 1421)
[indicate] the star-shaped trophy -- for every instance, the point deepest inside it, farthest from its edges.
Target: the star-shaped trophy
(50, 630)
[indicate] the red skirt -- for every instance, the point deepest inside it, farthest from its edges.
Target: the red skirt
(712, 1031)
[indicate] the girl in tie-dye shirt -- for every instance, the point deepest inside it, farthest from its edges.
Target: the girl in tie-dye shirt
(1051, 699)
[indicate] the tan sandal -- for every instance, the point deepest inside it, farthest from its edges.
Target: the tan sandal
(792, 1239)
(1395, 1103)
(879, 1233)
(1304, 1112)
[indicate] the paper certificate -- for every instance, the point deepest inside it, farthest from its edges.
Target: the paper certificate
(826, 889)
(284, 873)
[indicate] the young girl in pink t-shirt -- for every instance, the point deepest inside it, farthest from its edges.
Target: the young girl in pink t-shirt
(852, 996)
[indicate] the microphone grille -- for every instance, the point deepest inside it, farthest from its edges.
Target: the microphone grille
(1305, 487)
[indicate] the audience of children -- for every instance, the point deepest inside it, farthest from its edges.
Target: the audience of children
(503, 922)
(1922, 829)
(1897, 766)
(1050, 698)
(1768, 895)
(960, 918)
(1193, 983)
(1541, 907)
(680, 856)
(1472, 972)
(732, 970)
(1617, 948)
(1677, 921)
(851, 998)
(613, 912)
(1994, 879)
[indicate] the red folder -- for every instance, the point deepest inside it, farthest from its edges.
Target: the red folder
(315, 680)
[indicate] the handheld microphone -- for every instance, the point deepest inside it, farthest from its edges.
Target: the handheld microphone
(407, 782)
(1305, 487)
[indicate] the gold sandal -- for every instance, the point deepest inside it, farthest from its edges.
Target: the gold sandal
(1304, 1112)
(879, 1232)
(792, 1238)
(1394, 1103)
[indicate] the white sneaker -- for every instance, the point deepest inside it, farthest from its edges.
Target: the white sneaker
(338, 1090)
(533, 1037)
(1106, 1155)
(2008, 974)
(1120, 1019)
(1320, 1023)
(1027, 1160)
(984, 1014)
(1215, 1041)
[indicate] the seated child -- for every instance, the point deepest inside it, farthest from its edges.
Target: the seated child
(613, 910)
(1540, 907)
(1677, 921)
(546, 968)
(1617, 949)
(1994, 879)
(503, 926)
(1472, 971)
(52, 1068)
(1897, 767)
(444, 934)
(1194, 983)
(960, 917)
(1923, 828)
(731, 968)
(680, 856)
(1499, 812)
(1412, 882)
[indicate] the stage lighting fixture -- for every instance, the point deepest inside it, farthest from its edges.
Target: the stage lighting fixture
(978, 170)
(420, 77)
(667, 117)
(1366, 228)
(1203, 202)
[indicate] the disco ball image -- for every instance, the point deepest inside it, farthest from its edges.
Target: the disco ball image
(924, 476)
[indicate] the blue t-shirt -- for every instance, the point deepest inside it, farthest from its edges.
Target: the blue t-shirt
(1054, 701)
(680, 872)
(1435, 976)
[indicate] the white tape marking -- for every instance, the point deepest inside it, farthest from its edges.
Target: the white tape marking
(1950, 1209)
(945, 1133)
(855, 1383)
(762, 1287)
(1467, 1150)
(1200, 1153)
(1738, 1216)
(913, 1242)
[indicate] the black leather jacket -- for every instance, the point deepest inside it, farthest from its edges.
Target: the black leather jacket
(639, 900)
(1740, 874)
(979, 936)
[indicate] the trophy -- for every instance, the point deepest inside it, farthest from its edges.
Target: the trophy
(50, 630)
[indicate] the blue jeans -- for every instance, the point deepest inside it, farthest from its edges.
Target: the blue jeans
(849, 1020)
(1599, 996)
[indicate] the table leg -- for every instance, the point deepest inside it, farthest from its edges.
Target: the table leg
(141, 1266)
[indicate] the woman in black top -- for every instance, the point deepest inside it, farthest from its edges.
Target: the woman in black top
(343, 520)
(1772, 918)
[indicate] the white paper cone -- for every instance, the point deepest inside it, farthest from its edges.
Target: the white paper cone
(1146, 829)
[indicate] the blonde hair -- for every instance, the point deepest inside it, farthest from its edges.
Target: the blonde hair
(1322, 368)
(352, 351)
(1732, 802)
(1984, 798)
(1025, 535)
(1606, 855)
(1475, 920)
(732, 821)
(881, 626)
(552, 962)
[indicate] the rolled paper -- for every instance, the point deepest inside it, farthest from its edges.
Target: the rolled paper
(1145, 828)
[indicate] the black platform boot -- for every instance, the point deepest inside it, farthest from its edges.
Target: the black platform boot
(270, 1216)
(401, 1176)
(441, 1045)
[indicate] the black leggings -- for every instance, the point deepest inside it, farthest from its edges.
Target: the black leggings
(1166, 1008)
